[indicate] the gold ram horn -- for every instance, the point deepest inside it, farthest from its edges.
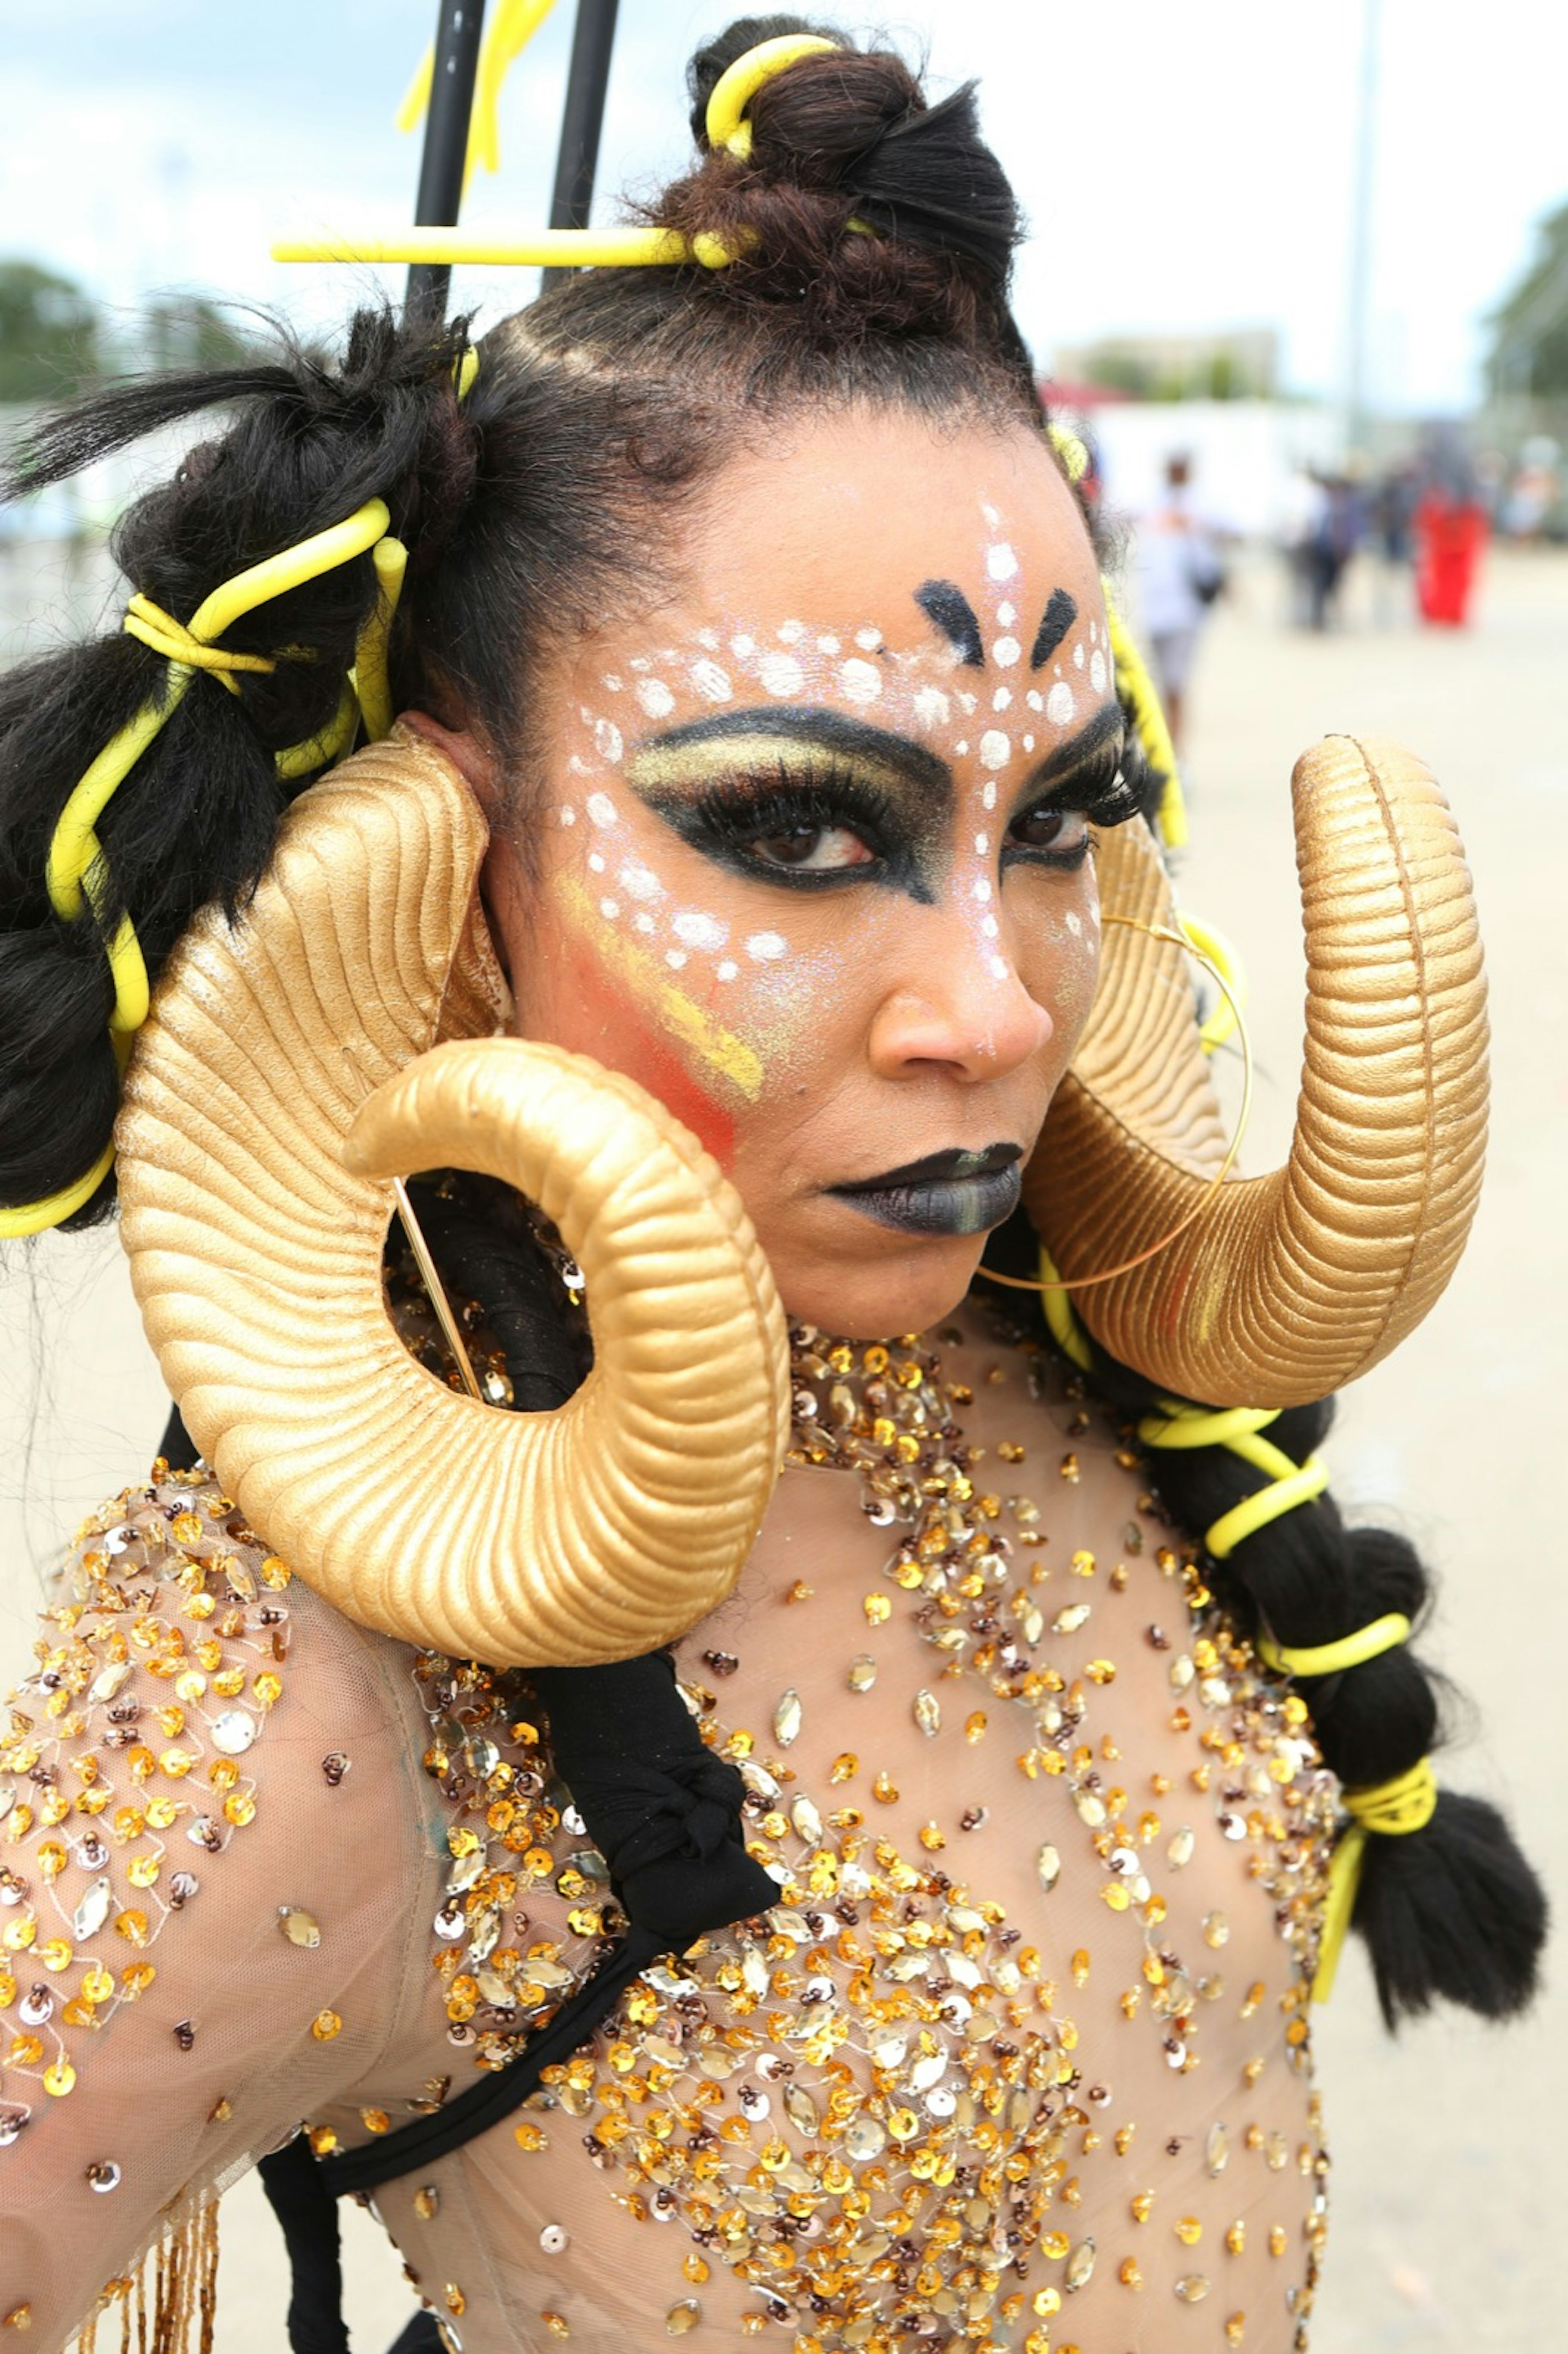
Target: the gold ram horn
(1287, 1286)
(281, 1084)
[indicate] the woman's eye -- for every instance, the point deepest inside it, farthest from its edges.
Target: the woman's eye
(1050, 829)
(812, 849)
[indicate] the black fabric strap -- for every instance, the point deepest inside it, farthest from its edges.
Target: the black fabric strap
(292, 2180)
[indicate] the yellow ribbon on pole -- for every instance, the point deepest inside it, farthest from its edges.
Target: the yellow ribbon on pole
(510, 30)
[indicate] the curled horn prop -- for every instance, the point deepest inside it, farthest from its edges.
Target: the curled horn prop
(1284, 1286)
(283, 1082)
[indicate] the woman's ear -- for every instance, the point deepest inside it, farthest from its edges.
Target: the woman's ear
(469, 756)
(476, 764)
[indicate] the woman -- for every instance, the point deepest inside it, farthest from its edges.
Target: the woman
(918, 1949)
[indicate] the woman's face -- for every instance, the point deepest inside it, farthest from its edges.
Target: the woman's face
(814, 863)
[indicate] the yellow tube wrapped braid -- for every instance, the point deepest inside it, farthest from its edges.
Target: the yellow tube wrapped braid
(282, 1084)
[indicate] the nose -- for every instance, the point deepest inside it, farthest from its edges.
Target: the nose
(963, 1010)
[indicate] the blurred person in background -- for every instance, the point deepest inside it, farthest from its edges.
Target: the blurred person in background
(1450, 527)
(1180, 572)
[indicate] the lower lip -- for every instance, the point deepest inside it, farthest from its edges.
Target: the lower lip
(948, 1206)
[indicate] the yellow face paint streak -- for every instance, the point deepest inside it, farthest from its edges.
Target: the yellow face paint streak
(719, 1048)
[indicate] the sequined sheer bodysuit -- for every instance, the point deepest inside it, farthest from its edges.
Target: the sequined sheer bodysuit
(1020, 2060)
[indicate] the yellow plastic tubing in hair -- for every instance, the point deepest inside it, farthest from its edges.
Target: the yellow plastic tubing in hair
(77, 871)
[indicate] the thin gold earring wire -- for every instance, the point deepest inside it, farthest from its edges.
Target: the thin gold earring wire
(1082, 1282)
(436, 1288)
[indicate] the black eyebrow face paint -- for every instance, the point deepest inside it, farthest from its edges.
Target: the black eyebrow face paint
(944, 602)
(1055, 623)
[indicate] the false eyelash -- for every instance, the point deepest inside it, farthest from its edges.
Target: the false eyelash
(745, 808)
(1105, 792)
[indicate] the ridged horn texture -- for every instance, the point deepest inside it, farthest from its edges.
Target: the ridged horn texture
(1287, 1285)
(282, 1081)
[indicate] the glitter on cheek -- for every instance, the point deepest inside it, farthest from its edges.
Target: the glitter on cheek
(711, 683)
(780, 674)
(861, 681)
(1060, 705)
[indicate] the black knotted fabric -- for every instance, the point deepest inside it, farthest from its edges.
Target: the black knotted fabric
(665, 1814)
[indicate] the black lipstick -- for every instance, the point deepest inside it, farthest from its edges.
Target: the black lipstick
(952, 1193)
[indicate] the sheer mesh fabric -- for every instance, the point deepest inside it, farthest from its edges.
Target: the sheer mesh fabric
(1019, 2061)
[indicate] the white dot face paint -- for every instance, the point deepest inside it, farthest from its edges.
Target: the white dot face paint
(567, 814)
(968, 702)
(742, 647)
(1077, 657)
(1029, 743)
(609, 909)
(675, 958)
(1006, 615)
(829, 645)
(1000, 563)
(1060, 705)
(982, 844)
(1002, 699)
(789, 633)
(655, 698)
(1006, 653)
(709, 638)
(725, 969)
(1098, 672)
(711, 683)
(988, 796)
(643, 923)
(613, 682)
(1073, 924)
(767, 948)
(961, 746)
(990, 926)
(994, 748)
(608, 742)
(868, 640)
(699, 931)
(981, 891)
(638, 881)
(1034, 700)
(602, 809)
(595, 863)
(861, 681)
(999, 968)
(780, 674)
(932, 707)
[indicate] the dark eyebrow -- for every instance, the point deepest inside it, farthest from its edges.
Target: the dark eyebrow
(1108, 725)
(798, 723)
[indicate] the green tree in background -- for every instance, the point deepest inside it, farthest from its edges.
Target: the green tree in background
(1529, 329)
(50, 342)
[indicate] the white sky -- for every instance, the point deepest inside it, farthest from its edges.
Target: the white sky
(1184, 164)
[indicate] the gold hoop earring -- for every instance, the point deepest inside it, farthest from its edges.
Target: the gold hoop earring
(1081, 1282)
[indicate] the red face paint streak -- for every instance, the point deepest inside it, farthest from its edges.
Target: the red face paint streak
(606, 1019)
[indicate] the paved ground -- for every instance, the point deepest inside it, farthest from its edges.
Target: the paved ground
(1451, 2180)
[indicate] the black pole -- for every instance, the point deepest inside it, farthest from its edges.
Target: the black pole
(458, 24)
(593, 38)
